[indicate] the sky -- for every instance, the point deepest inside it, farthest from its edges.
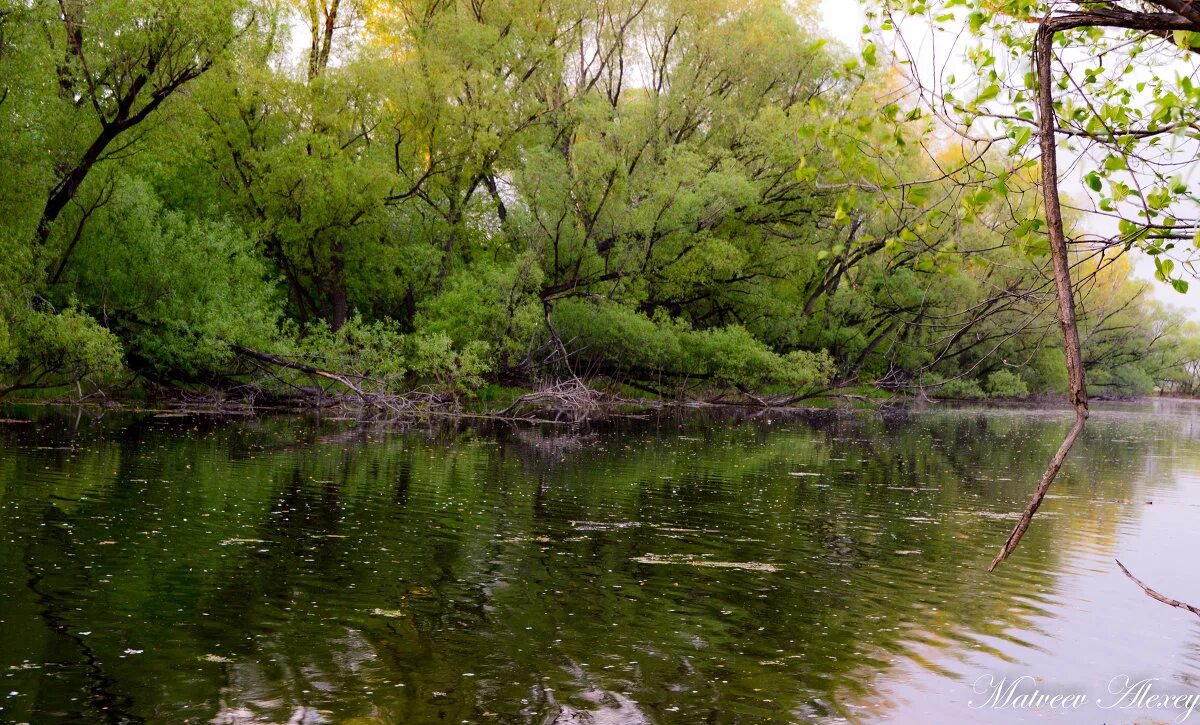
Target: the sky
(844, 19)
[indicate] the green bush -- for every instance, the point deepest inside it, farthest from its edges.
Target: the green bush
(435, 359)
(494, 305)
(378, 357)
(1127, 379)
(371, 351)
(1006, 384)
(616, 339)
(178, 290)
(58, 349)
(731, 356)
(1047, 371)
(612, 337)
(959, 388)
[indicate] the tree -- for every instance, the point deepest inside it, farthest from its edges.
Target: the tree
(690, 198)
(1082, 88)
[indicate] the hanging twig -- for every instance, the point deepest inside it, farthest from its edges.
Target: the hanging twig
(1155, 595)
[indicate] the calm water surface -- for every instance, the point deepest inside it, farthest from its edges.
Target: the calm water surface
(164, 569)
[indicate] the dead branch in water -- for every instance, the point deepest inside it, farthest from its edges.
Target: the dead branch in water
(569, 395)
(1155, 595)
(302, 367)
(410, 402)
(1043, 49)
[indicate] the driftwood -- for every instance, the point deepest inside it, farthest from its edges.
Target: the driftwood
(1043, 48)
(1155, 595)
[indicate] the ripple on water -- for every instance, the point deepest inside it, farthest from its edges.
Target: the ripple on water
(668, 571)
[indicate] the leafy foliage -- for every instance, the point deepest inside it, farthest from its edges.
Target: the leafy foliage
(49, 349)
(1006, 384)
(442, 194)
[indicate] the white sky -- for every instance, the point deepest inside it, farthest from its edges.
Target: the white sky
(844, 19)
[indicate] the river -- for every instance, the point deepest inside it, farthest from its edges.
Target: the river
(820, 568)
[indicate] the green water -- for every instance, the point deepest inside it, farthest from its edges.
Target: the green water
(191, 570)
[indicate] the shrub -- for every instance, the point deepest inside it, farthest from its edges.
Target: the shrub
(1127, 379)
(612, 338)
(177, 289)
(60, 349)
(731, 356)
(495, 305)
(374, 351)
(960, 388)
(381, 358)
(435, 358)
(1006, 384)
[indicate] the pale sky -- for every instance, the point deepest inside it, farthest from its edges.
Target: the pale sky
(844, 19)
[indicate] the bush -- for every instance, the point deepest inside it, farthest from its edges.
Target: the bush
(56, 349)
(435, 358)
(494, 305)
(616, 339)
(1127, 379)
(1006, 384)
(731, 356)
(178, 290)
(959, 388)
(381, 358)
(612, 337)
(374, 351)
(1047, 371)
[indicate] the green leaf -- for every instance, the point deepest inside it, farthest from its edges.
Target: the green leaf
(868, 54)
(1037, 247)
(988, 93)
(1093, 181)
(976, 20)
(1021, 138)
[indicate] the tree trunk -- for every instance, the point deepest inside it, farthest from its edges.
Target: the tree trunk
(339, 309)
(1043, 48)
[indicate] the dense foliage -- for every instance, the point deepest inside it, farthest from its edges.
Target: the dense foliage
(670, 194)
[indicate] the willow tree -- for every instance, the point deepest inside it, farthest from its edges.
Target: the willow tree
(82, 84)
(1085, 81)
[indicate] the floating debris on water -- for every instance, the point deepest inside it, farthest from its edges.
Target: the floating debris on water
(389, 613)
(603, 525)
(680, 530)
(227, 542)
(216, 658)
(691, 560)
(803, 473)
(525, 539)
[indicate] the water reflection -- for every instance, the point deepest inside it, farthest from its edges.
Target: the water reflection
(167, 569)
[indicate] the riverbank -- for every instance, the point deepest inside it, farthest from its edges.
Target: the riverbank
(558, 403)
